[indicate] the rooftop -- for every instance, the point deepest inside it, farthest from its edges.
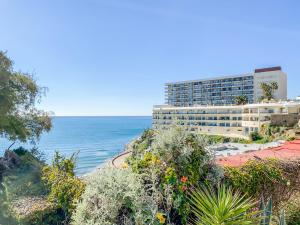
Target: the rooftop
(287, 151)
(259, 70)
(267, 69)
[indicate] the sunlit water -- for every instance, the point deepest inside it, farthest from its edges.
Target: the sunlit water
(96, 138)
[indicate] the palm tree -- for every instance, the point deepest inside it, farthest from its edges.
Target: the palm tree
(222, 207)
(241, 100)
(274, 85)
(268, 89)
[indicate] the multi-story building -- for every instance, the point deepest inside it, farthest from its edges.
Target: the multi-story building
(207, 106)
(224, 90)
(233, 121)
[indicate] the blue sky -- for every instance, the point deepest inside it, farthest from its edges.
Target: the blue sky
(112, 57)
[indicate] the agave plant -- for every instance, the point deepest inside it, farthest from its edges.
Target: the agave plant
(266, 213)
(222, 206)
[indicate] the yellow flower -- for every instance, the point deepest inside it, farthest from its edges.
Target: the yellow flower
(124, 166)
(161, 218)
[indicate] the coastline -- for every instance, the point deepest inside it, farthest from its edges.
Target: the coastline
(115, 161)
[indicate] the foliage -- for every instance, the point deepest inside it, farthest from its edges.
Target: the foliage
(267, 215)
(116, 196)
(222, 207)
(65, 188)
(143, 143)
(292, 209)
(255, 136)
(19, 182)
(29, 155)
(266, 211)
(19, 117)
(270, 178)
(216, 139)
(174, 162)
(271, 133)
(241, 100)
(47, 214)
(268, 90)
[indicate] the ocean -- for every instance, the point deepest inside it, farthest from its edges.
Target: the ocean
(96, 138)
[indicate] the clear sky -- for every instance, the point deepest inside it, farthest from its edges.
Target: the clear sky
(112, 57)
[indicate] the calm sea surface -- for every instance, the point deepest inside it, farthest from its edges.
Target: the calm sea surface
(96, 138)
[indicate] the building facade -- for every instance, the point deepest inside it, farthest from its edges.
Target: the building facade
(224, 90)
(232, 121)
(207, 106)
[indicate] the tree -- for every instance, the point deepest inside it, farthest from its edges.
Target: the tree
(268, 90)
(241, 100)
(222, 207)
(19, 94)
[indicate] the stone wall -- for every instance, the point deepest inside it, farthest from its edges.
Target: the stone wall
(288, 120)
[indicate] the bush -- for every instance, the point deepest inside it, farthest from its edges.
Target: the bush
(255, 136)
(175, 161)
(21, 181)
(216, 139)
(49, 216)
(144, 142)
(36, 211)
(115, 196)
(269, 178)
(65, 188)
(292, 209)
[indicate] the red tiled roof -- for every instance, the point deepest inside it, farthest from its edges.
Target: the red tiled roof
(289, 150)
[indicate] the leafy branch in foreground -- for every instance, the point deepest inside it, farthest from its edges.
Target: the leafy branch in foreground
(222, 207)
(19, 93)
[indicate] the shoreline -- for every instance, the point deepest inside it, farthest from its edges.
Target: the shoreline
(110, 161)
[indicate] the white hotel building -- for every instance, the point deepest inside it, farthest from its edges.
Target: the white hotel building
(206, 106)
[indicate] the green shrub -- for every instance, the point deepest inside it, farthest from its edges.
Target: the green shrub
(290, 138)
(175, 161)
(21, 181)
(270, 178)
(292, 209)
(64, 187)
(115, 196)
(216, 139)
(144, 142)
(255, 136)
(38, 213)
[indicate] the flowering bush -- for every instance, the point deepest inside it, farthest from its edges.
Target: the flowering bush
(270, 178)
(173, 162)
(64, 187)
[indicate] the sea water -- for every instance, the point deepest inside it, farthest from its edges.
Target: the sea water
(97, 139)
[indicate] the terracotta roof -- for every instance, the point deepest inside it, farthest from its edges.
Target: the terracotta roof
(289, 150)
